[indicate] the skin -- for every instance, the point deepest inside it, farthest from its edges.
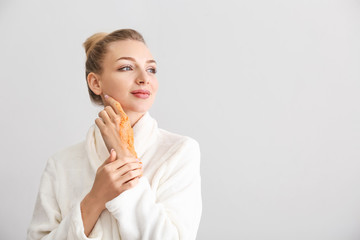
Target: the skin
(127, 66)
(119, 134)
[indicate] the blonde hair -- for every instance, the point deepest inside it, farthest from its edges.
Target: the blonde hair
(96, 47)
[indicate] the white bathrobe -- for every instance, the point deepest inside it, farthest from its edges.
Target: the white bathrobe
(166, 204)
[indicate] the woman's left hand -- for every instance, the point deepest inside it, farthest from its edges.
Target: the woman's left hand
(115, 129)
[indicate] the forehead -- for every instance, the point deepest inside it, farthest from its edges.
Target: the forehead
(128, 48)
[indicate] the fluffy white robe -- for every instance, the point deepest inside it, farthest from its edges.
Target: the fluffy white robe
(166, 204)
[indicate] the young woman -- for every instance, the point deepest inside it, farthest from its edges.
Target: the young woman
(129, 179)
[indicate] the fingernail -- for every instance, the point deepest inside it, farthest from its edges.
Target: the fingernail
(140, 163)
(111, 150)
(106, 96)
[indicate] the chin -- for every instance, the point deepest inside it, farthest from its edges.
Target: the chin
(137, 109)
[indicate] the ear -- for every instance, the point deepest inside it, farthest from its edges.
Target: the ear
(94, 82)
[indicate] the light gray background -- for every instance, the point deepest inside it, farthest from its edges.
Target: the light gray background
(270, 89)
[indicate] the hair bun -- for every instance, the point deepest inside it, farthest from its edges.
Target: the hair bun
(90, 43)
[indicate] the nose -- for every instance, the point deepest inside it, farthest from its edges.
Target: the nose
(142, 78)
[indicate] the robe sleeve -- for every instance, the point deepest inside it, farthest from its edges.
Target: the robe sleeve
(47, 221)
(170, 208)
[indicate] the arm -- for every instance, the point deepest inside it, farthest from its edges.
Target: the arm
(112, 178)
(171, 210)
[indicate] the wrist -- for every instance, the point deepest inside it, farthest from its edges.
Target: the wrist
(92, 204)
(90, 212)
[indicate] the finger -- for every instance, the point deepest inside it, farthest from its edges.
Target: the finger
(111, 158)
(131, 175)
(100, 123)
(129, 167)
(104, 116)
(116, 106)
(130, 184)
(113, 116)
(118, 164)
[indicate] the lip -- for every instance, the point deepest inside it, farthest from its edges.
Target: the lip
(141, 93)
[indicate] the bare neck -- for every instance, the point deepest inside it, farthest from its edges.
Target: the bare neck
(134, 117)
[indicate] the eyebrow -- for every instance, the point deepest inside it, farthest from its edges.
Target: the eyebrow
(133, 59)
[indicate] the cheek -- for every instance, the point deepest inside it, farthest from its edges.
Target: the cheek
(155, 85)
(116, 88)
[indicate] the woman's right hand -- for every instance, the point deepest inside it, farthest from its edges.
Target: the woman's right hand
(115, 128)
(115, 176)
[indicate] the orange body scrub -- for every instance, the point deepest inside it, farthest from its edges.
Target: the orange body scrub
(126, 131)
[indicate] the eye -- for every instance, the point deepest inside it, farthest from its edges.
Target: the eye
(125, 68)
(152, 70)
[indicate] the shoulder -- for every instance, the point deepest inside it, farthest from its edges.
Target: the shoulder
(173, 139)
(61, 161)
(182, 155)
(178, 144)
(69, 156)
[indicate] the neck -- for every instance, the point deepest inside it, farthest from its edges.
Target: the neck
(134, 117)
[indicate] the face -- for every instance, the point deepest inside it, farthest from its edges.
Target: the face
(129, 76)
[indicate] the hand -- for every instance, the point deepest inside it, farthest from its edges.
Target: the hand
(113, 177)
(115, 128)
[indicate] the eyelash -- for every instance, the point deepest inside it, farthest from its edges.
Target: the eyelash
(152, 70)
(127, 66)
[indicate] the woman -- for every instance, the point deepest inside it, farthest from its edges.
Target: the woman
(128, 179)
